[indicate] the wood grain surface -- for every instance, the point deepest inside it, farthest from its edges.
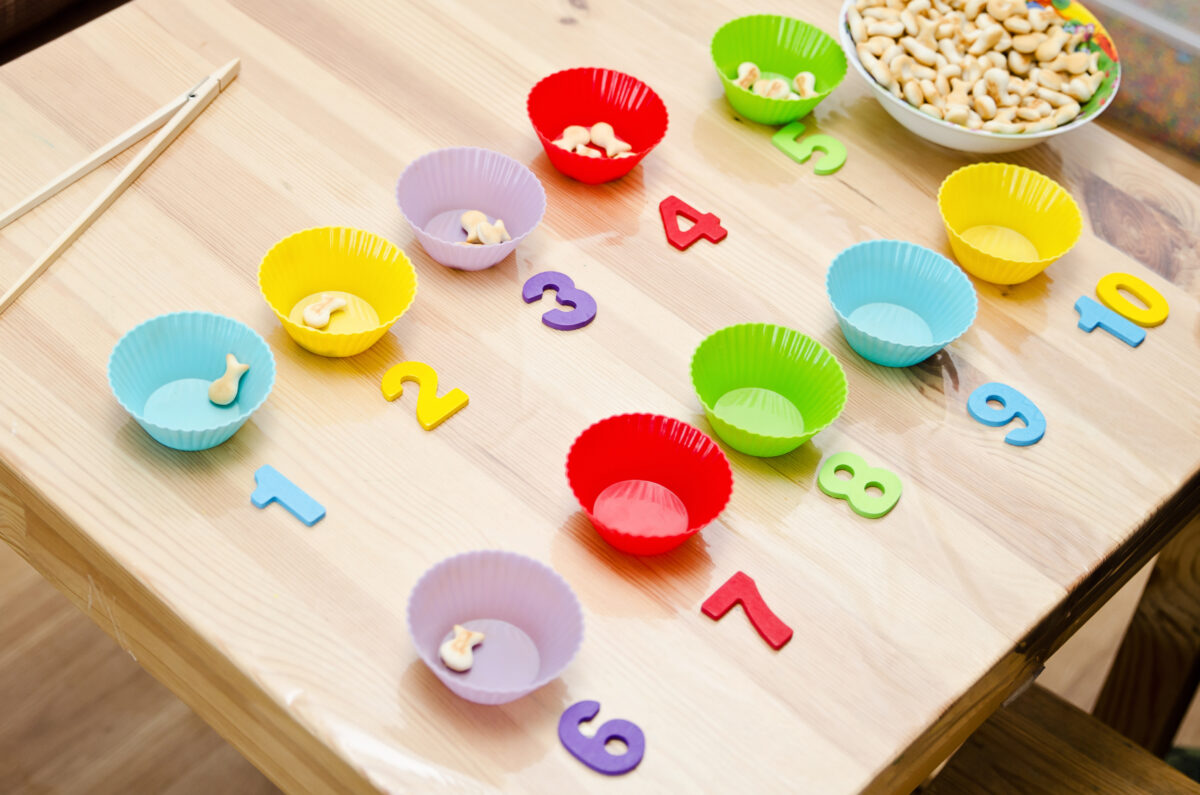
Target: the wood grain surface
(292, 641)
(1041, 745)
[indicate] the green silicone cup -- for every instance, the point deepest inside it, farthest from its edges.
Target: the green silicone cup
(782, 46)
(775, 358)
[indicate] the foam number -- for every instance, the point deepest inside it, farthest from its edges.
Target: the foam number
(583, 306)
(704, 225)
(591, 750)
(1091, 315)
(270, 486)
(1013, 405)
(833, 152)
(1153, 314)
(741, 589)
(854, 490)
(432, 410)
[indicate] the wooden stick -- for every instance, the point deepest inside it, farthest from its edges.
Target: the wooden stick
(84, 167)
(195, 102)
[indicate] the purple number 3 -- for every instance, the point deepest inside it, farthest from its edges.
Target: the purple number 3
(591, 750)
(583, 306)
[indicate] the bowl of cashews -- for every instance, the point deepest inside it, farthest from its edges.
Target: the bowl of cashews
(982, 76)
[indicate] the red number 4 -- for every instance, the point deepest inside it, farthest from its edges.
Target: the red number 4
(740, 588)
(704, 225)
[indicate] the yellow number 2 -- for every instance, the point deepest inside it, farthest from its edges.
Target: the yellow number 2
(432, 410)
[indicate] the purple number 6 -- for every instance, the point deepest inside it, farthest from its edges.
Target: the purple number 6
(583, 306)
(591, 750)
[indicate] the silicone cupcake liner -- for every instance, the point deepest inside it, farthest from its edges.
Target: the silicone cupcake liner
(503, 587)
(589, 95)
(341, 259)
(190, 345)
(899, 303)
(436, 188)
(1020, 199)
(654, 448)
(775, 358)
(778, 45)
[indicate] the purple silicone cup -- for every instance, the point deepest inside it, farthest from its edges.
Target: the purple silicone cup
(484, 588)
(439, 186)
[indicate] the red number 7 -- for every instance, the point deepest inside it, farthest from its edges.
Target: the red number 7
(740, 588)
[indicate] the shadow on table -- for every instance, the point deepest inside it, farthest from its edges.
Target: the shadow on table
(510, 737)
(575, 210)
(612, 583)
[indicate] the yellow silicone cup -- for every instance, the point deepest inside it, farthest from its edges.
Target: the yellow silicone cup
(343, 259)
(1016, 198)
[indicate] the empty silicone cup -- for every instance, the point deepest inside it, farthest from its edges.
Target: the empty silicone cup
(767, 389)
(438, 187)
(586, 96)
(372, 272)
(781, 47)
(160, 371)
(531, 620)
(1006, 223)
(648, 482)
(899, 303)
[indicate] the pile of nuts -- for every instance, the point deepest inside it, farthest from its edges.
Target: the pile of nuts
(750, 78)
(480, 232)
(993, 65)
(576, 139)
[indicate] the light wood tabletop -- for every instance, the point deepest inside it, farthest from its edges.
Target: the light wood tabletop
(292, 641)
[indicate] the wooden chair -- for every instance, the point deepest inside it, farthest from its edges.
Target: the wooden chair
(1041, 745)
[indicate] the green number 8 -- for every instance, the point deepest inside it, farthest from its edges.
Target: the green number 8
(854, 490)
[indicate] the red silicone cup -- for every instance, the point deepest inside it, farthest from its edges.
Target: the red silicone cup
(589, 95)
(654, 448)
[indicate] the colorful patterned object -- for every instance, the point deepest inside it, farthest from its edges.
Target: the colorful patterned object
(1096, 38)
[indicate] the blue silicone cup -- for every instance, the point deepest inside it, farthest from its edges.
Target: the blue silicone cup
(185, 345)
(899, 303)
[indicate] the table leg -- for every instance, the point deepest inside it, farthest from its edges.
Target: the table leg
(1157, 668)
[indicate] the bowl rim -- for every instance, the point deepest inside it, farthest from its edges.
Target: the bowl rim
(404, 260)
(959, 277)
(883, 95)
(635, 154)
(783, 101)
(432, 661)
(1043, 262)
(632, 417)
(508, 245)
(809, 431)
(239, 419)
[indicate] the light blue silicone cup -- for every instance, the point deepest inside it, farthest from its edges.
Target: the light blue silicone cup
(188, 349)
(899, 303)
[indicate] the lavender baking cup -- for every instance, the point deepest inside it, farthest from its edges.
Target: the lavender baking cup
(438, 187)
(530, 617)
(899, 303)
(160, 370)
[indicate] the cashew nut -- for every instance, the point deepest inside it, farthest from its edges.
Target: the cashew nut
(805, 84)
(573, 136)
(748, 72)
(775, 88)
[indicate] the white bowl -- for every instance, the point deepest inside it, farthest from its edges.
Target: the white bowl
(944, 133)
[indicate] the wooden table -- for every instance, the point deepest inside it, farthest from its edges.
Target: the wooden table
(292, 641)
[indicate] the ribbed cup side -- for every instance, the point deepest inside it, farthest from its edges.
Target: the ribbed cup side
(652, 447)
(337, 258)
(776, 358)
(470, 178)
(782, 45)
(907, 275)
(499, 585)
(182, 345)
(1011, 196)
